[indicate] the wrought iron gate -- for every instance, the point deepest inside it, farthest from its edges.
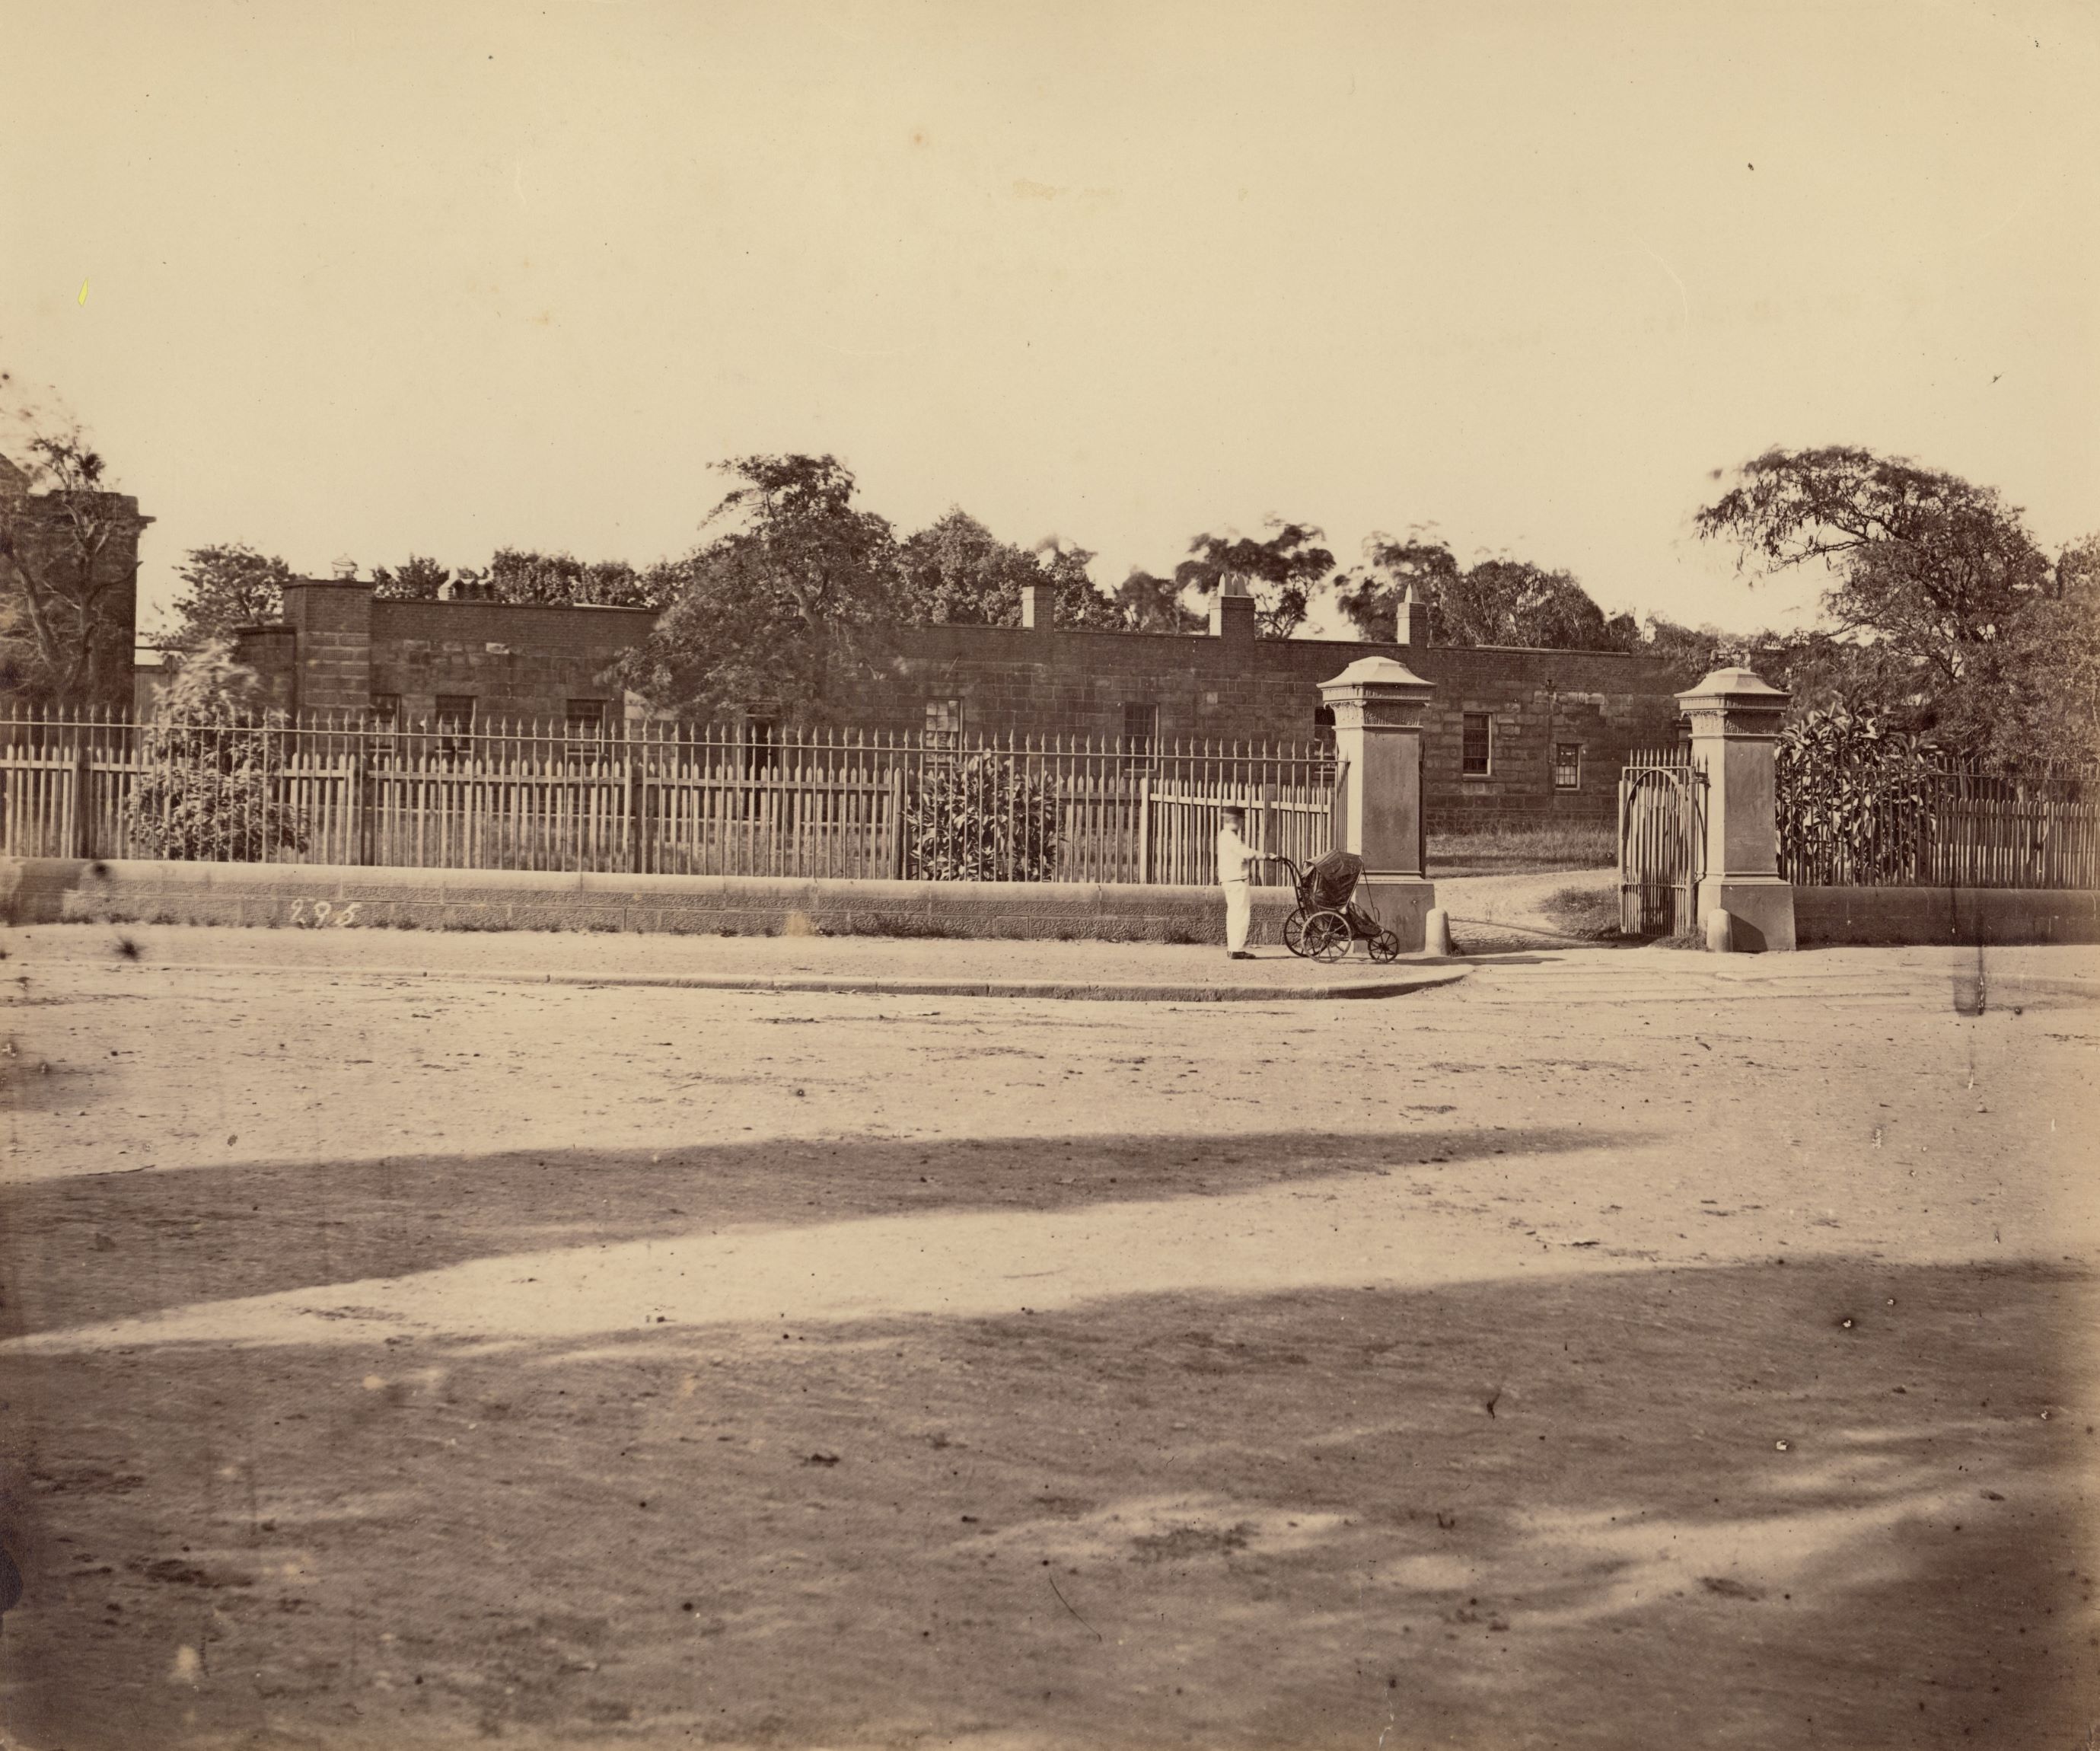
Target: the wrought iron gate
(1661, 843)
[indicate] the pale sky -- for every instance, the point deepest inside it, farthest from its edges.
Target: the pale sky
(376, 279)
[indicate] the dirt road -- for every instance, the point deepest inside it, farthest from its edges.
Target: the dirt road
(1614, 1350)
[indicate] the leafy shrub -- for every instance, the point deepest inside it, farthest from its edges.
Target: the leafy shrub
(1853, 799)
(203, 792)
(981, 819)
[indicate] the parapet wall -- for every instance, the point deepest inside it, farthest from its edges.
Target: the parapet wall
(50, 891)
(1831, 917)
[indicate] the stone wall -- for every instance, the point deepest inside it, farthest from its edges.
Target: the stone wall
(1009, 680)
(1829, 917)
(51, 890)
(516, 660)
(531, 661)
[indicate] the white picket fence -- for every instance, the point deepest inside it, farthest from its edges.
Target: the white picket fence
(678, 799)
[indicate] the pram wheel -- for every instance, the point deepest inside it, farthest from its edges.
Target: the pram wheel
(1327, 936)
(1294, 930)
(1385, 946)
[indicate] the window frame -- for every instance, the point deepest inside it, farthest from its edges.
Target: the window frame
(1574, 766)
(446, 717)
(1141, 750)
(1486, 768)
(580, 728)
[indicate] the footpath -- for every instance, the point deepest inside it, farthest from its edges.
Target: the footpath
(1519, 970)
(1157, 972)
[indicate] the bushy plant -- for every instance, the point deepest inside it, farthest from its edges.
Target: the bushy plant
(1853, 799)
(981, 819)
(203, 792)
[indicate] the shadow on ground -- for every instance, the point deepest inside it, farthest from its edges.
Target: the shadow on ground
(1835, 1504)
(110, 1246)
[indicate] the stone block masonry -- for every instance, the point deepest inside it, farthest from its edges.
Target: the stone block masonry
(51, 890)
(1521, 707)
(1831, 917)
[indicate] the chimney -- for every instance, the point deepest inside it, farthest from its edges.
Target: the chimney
(330, 619)
(1231, 611)
(1412, 623)
(1035, 608)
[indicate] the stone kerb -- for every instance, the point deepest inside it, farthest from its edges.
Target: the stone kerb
(1379, 706)
(1734, 715)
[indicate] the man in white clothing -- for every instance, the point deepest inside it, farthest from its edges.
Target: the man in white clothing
(1235, 857)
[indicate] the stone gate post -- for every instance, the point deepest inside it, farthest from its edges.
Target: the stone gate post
(1735, 730)
(1377, 706)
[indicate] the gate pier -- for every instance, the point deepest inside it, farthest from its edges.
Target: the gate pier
(1377, 706)
(1735, 731)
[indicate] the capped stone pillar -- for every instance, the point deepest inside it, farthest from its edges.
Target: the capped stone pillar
(1735, 717)
(331, 619)
(1377, 706)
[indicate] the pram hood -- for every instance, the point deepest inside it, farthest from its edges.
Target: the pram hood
(1331, 882)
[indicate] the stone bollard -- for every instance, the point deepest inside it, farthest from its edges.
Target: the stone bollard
(1438, 936)
(1720, 932)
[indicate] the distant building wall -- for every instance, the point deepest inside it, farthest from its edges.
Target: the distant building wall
(1512, 734)
(43, 531)
(1590, 706)
(341, 648)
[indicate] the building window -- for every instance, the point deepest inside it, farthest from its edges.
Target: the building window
(1141, 735)
(386, 708)
(1323, 723)
(455, 712)
(584, 717)
(1567, 766)
(1477, 756)
(944, 723)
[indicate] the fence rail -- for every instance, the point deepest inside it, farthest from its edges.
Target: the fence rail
(658, 798)
(1966, 830)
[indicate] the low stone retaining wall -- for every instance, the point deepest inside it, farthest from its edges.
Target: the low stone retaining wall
(50, 891)
(1829, 917)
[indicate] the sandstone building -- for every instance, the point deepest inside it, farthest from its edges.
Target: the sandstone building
(1511, 734)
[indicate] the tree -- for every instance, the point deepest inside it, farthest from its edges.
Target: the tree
(1930, 569)
(69, 574)
(1077, 603)
(1280, 573)
(2043, 683)
(782, 609)
(204, 790)
(1393, 570)
(519, 576)
(956, 572)
(416, 579)
(1148, 603)
(226, 588)
(981, 819)
(1497, 601)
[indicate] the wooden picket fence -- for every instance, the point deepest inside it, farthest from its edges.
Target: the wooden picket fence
(681, 799)
(1966, 829)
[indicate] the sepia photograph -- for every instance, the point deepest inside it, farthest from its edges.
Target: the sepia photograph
(899, 875)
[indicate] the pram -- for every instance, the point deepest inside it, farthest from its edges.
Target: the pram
(1328, 923)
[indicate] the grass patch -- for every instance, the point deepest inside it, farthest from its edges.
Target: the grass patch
(1524, 849)
(929, 929)
(1592, 912)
